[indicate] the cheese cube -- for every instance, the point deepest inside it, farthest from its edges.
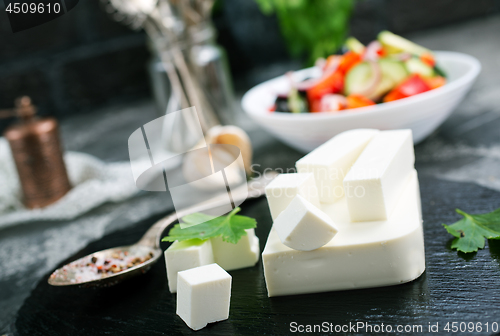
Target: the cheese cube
(235, 256)
(203, 295)
(184, 255)
(304, 227)
(376, 180)
(331, 161)
(281, 191)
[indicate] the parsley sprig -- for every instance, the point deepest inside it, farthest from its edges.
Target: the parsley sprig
(230, 227)
(471, 230)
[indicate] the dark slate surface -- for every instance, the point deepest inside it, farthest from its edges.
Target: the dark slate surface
(453, 288)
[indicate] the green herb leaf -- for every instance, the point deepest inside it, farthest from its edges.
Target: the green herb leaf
(230, 228)
(316, 28)
(194, 219)
(471, 231)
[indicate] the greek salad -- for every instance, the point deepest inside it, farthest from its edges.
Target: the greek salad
(387, 69)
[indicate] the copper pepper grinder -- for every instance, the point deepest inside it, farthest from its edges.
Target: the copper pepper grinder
(37, 152)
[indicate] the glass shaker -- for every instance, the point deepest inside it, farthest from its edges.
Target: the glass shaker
(208, 63)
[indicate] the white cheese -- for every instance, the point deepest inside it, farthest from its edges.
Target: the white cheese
(184, 255)
(304, 227)
(203, 295)
(235, 256)
(361, 255)
(331, 161)
(285, 187)
(376, 179)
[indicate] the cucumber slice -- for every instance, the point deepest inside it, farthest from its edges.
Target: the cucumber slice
(393, 70)
(439, 71)
(393, 73)
(354, 45)
(361, 77)
(358, 78)
(296, 102)
(386, 84)
(416, 66)
(394, 44)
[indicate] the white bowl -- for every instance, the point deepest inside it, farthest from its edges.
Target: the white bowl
(422, 113)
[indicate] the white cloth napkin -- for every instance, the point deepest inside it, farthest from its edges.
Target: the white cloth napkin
(94, 183)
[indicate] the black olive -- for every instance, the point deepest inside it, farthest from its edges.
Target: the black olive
(282, 104)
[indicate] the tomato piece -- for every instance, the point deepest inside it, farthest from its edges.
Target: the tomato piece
(410, 87)
(357, 100)
(393, 95)
(435, 82)
(333, 83)
(428, 59)
(381, 52)
(314, 105)
(272, 108)
(413, 85)
(348, 60)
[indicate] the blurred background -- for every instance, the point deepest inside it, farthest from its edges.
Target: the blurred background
(85, 60)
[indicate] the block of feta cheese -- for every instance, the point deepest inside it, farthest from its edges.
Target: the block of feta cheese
(331, 161)
(362, 255)
(184, 255)
(235, 256)
(281, 191)
(376, 179)
(303, 226)
(203, 295)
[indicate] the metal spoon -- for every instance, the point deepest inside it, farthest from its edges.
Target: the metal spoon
(149, 244)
